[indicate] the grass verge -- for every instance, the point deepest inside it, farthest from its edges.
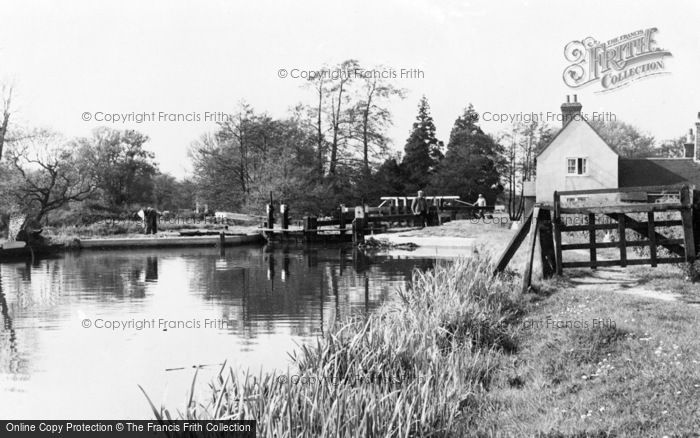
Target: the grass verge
(629, 368)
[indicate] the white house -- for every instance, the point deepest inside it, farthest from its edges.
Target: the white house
(577, 158)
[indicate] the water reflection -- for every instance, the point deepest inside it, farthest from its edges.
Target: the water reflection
(267, 299)
(151, 269)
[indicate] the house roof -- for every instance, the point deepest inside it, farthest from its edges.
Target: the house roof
(634, 172)
(566, 126)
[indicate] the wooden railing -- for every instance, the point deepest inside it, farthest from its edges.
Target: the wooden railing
(683, 249)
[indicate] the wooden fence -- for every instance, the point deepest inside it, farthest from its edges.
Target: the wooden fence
(548, 222)
(683, 249)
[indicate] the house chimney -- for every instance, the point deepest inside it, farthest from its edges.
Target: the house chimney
(572, 110)
(690, 145)
(697, 139)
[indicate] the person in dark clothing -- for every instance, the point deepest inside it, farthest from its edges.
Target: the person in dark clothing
(419, 207)
(150, 217)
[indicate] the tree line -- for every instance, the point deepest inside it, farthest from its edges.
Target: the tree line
(332, 151)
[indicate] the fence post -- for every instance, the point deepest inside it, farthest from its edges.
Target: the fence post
(556, 222)
(547, 244)
(534, 229)
(687, 218)
(651, 229)
(623, 239)
(592, 239)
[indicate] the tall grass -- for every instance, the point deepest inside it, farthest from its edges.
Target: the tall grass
(409, 369)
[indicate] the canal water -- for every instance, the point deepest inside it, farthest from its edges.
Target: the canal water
(78, 333)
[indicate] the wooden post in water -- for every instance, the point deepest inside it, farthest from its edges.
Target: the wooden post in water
(341, 221)
(358, 225)
(270, 223)
(222, 244)
(310, 227)
(284, 212)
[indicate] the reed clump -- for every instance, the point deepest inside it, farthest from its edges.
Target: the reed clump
(411, 368)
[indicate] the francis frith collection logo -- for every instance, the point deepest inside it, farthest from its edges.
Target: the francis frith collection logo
(614, 63)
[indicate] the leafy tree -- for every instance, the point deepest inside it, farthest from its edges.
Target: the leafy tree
(471, 162)
(625, 139)
(122, 168)
(422, 152)
(389, 180)
(171, 194)
(673, 148)
(252, 155)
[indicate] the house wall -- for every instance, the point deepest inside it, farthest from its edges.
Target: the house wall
(577, 139)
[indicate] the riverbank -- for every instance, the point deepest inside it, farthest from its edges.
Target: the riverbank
(163, 241)
(410, 368)
(460, 353)
(88, 238)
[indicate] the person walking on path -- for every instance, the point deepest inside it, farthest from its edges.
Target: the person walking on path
(419, 207)
(481, 202)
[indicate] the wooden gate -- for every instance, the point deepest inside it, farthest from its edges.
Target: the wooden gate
(548, 222)
(654, 199)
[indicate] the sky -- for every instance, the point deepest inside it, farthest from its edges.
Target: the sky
(67, 58)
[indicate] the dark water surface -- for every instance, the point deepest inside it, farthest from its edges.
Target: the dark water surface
(79, 332)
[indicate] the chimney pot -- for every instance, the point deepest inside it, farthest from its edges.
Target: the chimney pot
(568, 101)
(570, 110)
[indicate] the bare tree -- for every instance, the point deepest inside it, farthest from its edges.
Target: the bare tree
(318, 83)
(49, 174)
(525, 140)
(374, 118)
(6, 102)
(340, 98)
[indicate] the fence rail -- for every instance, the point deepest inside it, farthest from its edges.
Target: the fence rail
(548, 222)
(619, 213)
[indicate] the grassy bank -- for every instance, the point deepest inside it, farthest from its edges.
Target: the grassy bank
(460, 353)
(413, 368)
(636, 372)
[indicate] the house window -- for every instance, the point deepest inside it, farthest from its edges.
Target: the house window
(576, 166)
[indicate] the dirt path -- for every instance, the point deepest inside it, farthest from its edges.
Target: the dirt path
(619, 280)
